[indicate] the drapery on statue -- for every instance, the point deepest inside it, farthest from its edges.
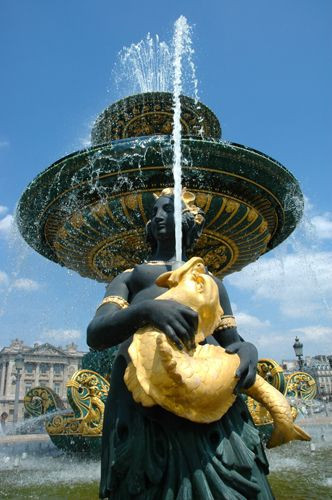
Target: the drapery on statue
(180, 431)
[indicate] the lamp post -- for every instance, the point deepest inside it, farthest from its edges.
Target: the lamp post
(298, 348)
(19, 364)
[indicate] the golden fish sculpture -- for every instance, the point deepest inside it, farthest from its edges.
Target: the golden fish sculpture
(197, 384)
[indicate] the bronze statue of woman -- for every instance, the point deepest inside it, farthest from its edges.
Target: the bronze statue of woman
(149, 452)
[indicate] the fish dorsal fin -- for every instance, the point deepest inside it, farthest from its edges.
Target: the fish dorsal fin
(164, 280)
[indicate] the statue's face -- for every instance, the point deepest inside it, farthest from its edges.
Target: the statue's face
(162, 220)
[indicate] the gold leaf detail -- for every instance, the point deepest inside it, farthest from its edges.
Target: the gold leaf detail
(131, 201)
(62, 233)
(252, 215)
(100, 209)
(201, 200)
(77, 220)
(231, 206)
(263, 227)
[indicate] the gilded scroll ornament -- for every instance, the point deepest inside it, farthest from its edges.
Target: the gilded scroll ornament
(301, 385)
(86, 392)
(41, 400)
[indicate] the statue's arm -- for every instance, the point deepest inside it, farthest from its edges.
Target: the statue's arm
(230, 339)
(113, 324)
(226, 336)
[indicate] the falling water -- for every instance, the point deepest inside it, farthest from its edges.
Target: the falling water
(180, 30)
(152, 65)
(182, 47)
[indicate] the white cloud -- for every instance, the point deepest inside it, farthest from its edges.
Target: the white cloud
(299, 284)
(259, 332)
(25, 284)
(21, 284)
(323, 225)
(315, 332)
(4, 280)
(292, 286)
(270, 340)
(3, 210)
(58, 335)
(6, 225)
(85, 142)
(248, 322)
(256, 330)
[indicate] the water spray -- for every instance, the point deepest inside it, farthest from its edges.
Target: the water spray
(180, 33)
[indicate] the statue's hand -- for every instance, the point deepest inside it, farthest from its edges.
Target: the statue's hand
(248, 362)
(177, 321)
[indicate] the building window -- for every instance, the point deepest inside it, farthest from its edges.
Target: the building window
(57, 388)
(43, 368)
(42, 383)
(27, 387)
(57, 369)
(29, 368)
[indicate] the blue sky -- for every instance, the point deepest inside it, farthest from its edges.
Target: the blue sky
(265, 70)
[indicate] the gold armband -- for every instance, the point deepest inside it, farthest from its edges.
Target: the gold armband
(114, 299)
(225, 322)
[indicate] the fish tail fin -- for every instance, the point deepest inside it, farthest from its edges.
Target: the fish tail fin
(302, 435)
(281, 436)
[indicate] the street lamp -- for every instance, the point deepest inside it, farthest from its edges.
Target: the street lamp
(19, 365)
(298, 348)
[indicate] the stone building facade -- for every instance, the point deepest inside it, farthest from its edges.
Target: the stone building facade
(44, 365)
(321, 370)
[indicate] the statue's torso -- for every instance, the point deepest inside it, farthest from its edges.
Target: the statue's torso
(141, 285)
(141, 282)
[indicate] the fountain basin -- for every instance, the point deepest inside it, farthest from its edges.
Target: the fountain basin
(49, 473)
(88, 210)
(151, 113)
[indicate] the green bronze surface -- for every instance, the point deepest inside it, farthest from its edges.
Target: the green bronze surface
(100, 361)
(88, 210)
(41, 400)
(152, 113)
(78, 429)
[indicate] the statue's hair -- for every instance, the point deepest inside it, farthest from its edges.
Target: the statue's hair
(191, 229)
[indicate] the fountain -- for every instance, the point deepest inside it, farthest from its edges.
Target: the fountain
(88, 211)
